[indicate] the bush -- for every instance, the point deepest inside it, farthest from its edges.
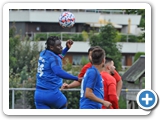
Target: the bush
(122, 103)
(40, 36)
(84, 61)
(137, 55)
(23, 57)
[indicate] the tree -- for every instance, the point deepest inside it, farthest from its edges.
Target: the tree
(106, 39)
(23, 57)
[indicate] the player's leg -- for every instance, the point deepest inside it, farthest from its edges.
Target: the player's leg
(41, 106)
(39, 100)
(51, 98)
(57, 100)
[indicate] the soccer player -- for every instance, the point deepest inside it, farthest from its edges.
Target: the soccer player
(49, 76)
(109, 83)
(92, 93)
(83, 71)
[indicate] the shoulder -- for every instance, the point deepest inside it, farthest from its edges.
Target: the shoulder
(117, 76)
(104, 74)
(88, 65)
(52, 56)
(92, 71)
(108, 78)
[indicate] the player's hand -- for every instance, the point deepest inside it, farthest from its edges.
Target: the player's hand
(80, 79)
(107, 104)
(64, 86)
(69, 44)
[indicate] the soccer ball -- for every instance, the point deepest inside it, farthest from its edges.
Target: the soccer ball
(67, 19)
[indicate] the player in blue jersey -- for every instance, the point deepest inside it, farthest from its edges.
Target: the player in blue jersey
(50, 75)
(92, 85)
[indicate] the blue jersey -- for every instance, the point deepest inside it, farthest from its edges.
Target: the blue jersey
(93, 80)
(50, 72)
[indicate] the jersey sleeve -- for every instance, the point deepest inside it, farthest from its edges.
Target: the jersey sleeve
(57, 69)
(117, 76)
(84, 69)
(62, 74)
(65, 50)
(91, 78)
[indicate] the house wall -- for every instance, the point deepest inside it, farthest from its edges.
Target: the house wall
(20, 27)
(75, 58)
(44, 16)
(127, 59)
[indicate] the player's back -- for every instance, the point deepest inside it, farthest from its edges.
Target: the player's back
(46, 77)
(92, 80)
(109, 85)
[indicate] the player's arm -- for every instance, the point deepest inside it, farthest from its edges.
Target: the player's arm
(74, 84)
(61, 73)
(119, 83)
(77, 83)
(119, 88)
(90, 95)
(65, 50)
(83, 70)
(71, 85)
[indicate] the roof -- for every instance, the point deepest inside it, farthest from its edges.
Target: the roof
(135, 71)
(129, 47)
(82, 47)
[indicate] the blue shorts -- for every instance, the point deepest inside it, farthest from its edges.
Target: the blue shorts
(49, 99)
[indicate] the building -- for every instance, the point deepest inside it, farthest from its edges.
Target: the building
(30, 21)
(80, 49)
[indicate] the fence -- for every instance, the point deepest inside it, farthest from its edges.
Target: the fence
(77, 36)
(32, 89)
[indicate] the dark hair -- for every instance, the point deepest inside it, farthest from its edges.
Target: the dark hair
(108, 59)
(92, 48)
(98, 55)
(51, 41)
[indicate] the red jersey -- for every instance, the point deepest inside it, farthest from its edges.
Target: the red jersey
(110, 93)
(84, 69)
(88, 65)
(116, 76)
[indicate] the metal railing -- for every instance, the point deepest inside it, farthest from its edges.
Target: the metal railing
(73, 89)
(63, 35)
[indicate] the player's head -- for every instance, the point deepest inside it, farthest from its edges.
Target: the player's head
(54, 44)
(109, 65)
(98, 56)
(90, 52)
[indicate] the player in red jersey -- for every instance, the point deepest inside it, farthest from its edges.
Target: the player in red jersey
(81, 74)
(83, 71)
(109, 83)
